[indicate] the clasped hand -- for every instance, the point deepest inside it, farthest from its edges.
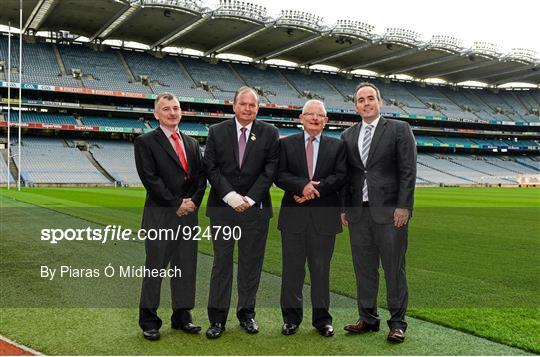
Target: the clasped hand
(308, 193)
(186, 207)
(244, 206)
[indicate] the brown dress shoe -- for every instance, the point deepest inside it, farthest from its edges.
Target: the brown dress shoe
(362, 327)
(396, 335)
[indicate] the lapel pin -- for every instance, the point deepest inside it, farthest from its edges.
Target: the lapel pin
(253, 137)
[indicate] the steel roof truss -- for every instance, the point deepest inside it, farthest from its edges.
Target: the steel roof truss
(287, 48)
(39, 14)
(336, 54)
(385, 58)
(180, 32)
(114, 22)
(236, 41)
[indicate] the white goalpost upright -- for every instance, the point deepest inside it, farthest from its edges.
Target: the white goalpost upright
(20, 95)
(8, 174)
(9, 151)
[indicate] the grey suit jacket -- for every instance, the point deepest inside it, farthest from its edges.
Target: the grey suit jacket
(390, 171)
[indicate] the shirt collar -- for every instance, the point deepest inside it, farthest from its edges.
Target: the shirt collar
(239, 126)
(167, 132)
(374, 123)
(317, 137)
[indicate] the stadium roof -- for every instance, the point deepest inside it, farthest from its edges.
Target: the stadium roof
(235, 27)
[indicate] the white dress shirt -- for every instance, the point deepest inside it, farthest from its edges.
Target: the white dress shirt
(360, 141)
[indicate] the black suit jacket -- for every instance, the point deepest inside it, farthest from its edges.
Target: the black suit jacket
(331, 170)
(253, 179)
(165, 180)
(390, 170)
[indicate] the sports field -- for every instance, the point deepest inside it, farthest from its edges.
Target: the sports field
(473, 270)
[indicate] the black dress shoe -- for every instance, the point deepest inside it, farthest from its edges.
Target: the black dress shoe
(326, 330)
(188, 328)
(152, 334)
(289, 329)
(215, 330)
(250, 325)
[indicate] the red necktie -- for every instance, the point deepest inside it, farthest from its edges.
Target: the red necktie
(180, 152)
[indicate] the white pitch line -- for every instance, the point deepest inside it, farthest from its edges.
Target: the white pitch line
(24, 348)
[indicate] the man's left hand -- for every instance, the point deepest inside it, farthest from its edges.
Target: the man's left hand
(244, 206)
(186, 207)
(401, 217)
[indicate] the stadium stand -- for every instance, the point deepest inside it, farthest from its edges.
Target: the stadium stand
(6, 175)
(118, 159)
(289, 131)
(195, 77)
(274, 86)
(43, 161)
(184, 126)
(346, 88)
(46, 70)
(45, 118)
(218, 78)
(511, 164)
(113, 122)
(436, 171)
(163, 75)
(312, 86)
(529, 162)
(99, 70)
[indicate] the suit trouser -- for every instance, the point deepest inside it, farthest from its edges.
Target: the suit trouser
(181, 254)
(372, 243)
(317, 249)
(251, 246)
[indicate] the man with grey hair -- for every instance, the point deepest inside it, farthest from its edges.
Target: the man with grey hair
(312, 170)
(241, 161)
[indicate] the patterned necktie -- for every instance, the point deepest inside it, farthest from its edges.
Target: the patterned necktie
(242, 145)
(180, 152)
(309, 156)
(366, 143)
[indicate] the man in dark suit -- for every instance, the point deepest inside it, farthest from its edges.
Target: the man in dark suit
(170, 167)
(312, 170)
(381, 158)
(240, 160)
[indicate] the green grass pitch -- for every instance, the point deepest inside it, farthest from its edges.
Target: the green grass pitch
(472, 264)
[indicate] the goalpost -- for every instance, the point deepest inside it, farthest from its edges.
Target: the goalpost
(9, 155)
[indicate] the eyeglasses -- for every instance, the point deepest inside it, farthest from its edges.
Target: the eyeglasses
(318, 115)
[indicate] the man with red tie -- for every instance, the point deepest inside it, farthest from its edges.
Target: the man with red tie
(170, 167)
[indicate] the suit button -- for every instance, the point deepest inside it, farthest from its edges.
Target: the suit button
(365, 171)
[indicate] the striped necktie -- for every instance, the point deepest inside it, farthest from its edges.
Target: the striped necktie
(366, 143)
